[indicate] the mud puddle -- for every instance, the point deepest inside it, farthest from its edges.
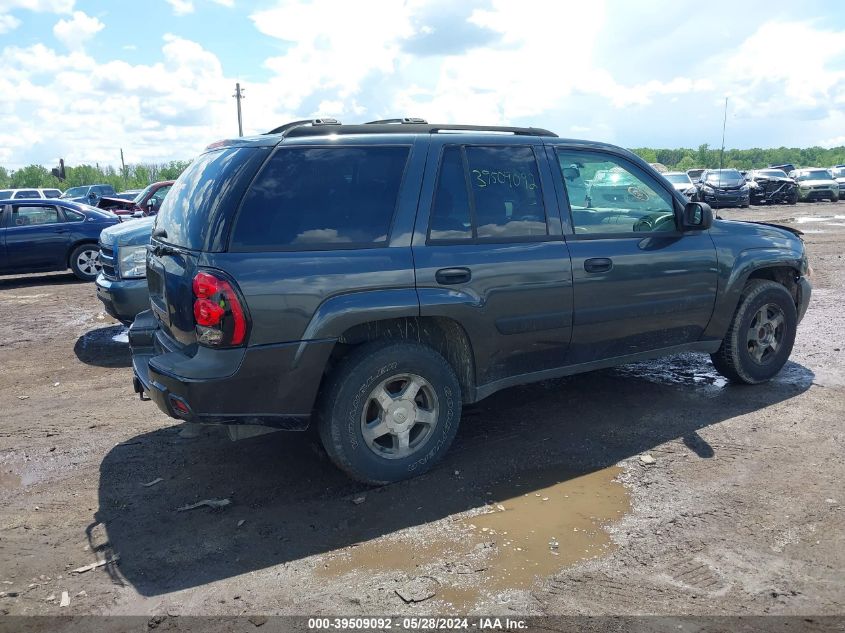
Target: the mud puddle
(533, 525)
(683, 369)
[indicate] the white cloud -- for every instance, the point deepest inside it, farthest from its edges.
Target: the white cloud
(184, 7)
(44, 6)
(8, 23)
(74, 32)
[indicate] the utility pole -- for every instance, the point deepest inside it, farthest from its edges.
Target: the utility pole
(239, 94)
(123, 167)
(722, 153)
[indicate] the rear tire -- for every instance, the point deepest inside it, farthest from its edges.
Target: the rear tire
(389, 411)
(85, 262)
(761, 335)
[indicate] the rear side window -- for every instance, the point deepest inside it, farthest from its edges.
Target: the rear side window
(321, 198)
(27, 193)
(5, 194)
(73, 216)
(488, 193)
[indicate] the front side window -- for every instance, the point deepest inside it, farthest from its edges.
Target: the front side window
(34, 216)
(608, 195)
(321, 198)
(488, 193)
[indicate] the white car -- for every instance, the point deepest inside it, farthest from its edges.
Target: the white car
(815, 183)
(681, 182)
(28, 194)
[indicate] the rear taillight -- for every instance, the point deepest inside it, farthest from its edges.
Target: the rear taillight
(218, 312)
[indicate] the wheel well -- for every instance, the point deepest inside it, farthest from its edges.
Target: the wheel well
(444, 335)
(76, 245)
(784, 275)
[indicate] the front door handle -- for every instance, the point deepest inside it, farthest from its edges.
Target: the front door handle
(62, 231)
(447, 276)
(598, 264)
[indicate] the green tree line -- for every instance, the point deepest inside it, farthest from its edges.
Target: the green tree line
(134, 177)
(140, 175)
(755, 158)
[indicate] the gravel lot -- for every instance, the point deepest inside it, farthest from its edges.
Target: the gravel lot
(543, 506)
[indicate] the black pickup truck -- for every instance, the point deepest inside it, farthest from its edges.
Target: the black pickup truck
(374, 278)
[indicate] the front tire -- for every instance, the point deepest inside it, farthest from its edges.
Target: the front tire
(85, 262)
(389, 411)
(761, 335)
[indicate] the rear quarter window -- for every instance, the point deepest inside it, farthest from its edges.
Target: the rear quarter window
(205, 196)
(320, 198)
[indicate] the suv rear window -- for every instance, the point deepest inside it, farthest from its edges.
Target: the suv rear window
(210, 186)
(321, 198)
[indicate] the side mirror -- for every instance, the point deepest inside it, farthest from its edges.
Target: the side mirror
(151, 203)
(696, 216)
(138, 214)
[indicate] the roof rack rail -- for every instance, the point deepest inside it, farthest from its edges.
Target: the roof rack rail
(407, 120)
(293, 124)
(416, 128)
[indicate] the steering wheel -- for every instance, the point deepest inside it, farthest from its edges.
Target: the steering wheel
(655, 222)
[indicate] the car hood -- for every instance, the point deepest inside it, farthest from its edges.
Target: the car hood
(682, 186)
(128, 233)
(756, 234)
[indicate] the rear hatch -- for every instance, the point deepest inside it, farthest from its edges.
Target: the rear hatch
(194, 219)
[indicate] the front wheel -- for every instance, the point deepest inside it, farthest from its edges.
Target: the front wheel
(761, 334)
(389, 411)
(85, 262)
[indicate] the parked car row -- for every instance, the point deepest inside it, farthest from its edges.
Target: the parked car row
(778, 184)
(64, 233)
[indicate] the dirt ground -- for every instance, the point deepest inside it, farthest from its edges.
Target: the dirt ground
(543, 506)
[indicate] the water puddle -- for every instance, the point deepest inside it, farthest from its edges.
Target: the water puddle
(683, 369)
(532, 526)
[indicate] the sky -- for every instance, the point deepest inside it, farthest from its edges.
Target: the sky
(81, 79)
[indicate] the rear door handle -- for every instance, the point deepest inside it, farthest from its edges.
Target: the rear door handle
(448, 276)
(598, 264)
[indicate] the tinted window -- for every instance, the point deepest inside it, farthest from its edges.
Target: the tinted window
(608, 195)
(27, 193)
(450, 216)
(73, 216)
(726, 176)
(34, 216)
(505, 186)
(310, 198)
(52, 193)
(5, 194)
(213, 183)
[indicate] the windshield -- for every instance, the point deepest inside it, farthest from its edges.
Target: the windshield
(75, 192)
(137, 199)
(727, 176)
(815, 174)
(678, 178)
(772, 173)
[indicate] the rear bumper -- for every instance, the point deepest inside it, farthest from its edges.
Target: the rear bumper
(270, 385)
(123, 299)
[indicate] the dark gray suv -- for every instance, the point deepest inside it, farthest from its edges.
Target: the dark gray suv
(374, 278)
